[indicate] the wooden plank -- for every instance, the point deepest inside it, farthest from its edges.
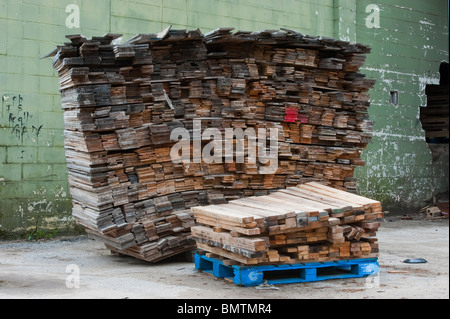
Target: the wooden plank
(216, 212)
(335, 193)
(249, 243)
(273, 202)
(293, 199)
(232, 227)
(227, 254)
(262, 209)
(323, 199)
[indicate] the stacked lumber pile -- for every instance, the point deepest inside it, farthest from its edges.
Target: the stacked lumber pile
(126, 191)
(308, 223)
(310, 86)
(434, 116)
(122, 101)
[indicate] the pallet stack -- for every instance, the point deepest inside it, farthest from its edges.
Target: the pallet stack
(434, 116)
(310, 85)
(126, 191)
(122, 101)
(307, 223)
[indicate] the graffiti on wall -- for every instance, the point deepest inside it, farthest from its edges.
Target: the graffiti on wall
(15, 117)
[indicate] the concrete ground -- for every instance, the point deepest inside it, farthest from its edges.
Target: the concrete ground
(79, 268)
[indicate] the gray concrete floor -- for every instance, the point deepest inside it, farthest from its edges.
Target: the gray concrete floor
(46, 269)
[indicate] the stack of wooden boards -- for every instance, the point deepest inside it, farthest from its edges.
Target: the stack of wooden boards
(307, 223)
(122, 101)
(434, 116)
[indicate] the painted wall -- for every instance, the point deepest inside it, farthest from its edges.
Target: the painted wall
(407, 49)
(408, 43)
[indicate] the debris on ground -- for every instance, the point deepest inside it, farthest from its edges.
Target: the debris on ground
(415, 261)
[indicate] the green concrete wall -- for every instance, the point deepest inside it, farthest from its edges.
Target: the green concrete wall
(407, 48)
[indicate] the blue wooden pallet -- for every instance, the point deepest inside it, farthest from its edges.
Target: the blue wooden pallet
(249, 276)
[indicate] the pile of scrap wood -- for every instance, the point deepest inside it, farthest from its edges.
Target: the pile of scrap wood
(307, 223)
(121, 103)
(434, 116)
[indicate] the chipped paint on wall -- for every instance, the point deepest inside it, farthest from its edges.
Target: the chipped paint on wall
(406, 54)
